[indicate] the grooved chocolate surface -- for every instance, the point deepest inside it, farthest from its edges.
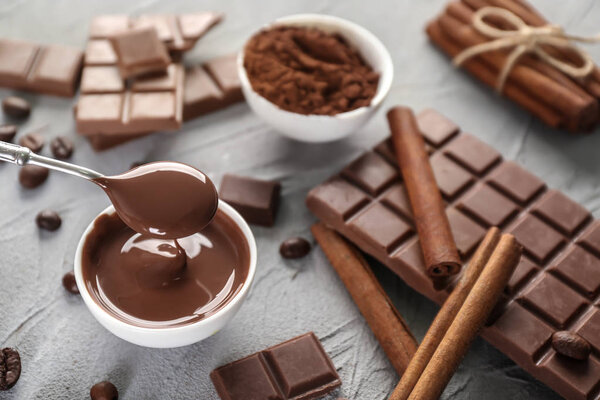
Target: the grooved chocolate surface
(48, 69)
(556, 285)
(297, 369)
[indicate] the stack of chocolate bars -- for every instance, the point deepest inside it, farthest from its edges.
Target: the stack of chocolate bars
(134, 82)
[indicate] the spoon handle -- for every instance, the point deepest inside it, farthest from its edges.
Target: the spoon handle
(21, 156)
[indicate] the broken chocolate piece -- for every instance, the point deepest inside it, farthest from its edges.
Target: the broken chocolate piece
(140, 52)
(255, 199)
(297, 369)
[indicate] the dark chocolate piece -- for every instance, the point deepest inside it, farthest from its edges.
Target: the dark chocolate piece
(104, 391)
(69, 283)
(32, 176)
(296, 247)
(10, 368)
(255, 199)
(44, 69)
(555, 287)
(48, 220)
(16, 107)
(62, 147)
(211, 87)
(297, 369)
(140, 52)
(33, 141)
(8, 132)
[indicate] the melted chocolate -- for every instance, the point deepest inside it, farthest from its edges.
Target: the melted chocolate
(154, 282)
(165, 200)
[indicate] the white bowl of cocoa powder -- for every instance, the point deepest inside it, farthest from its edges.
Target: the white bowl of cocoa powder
(315, 78)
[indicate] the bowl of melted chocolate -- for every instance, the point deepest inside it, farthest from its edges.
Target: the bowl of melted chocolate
(159, 292)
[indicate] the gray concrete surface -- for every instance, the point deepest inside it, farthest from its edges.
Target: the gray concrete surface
(65, 351)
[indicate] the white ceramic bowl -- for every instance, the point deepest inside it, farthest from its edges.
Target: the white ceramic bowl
(324, 128)
(173, 336)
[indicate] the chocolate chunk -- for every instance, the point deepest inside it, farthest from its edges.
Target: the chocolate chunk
(34, 141)
(16, 107)
(140, 52)
(48, 220)
(255, 199)
(296, 247)
(7, 132)
(32, 176)
(69, 283)
(10, 368)
(571, 345)
(104, 391)
(51, 69)
(296, 369)
(62, 147)
(554, 287)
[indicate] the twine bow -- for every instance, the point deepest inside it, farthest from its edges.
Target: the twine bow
(526, 39)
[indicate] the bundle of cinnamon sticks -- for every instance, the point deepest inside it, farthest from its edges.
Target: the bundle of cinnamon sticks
(557, 99)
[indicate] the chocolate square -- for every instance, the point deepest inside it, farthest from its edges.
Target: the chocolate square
(338, 197)
(467, 234)
(516, 183)
(140, 52)
(590, 239)
(487, 206)
(553, 299)
(436, 128)
(201, 95)
(522, 273)
(561, 212)
(223, 71)
(100, 52)
(101, 79)
(380, 226)
(538, 239)
(256, 200)
(396, 197)
(580, 268)
(16, 58)
(246, 378)
(371, 172)
(450, 177)
(590, 330)
(472, 153)
(580, 378)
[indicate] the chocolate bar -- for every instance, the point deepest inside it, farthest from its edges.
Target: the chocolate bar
(211, 87)
(179, 32)
(556, 285)
(47, 69)
(255, 199)
(297, 369)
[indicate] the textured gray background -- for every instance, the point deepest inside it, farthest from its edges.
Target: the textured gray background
(65, 351)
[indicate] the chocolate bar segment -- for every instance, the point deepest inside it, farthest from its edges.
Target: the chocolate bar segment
(297, 369)
(556, 285)
(51, 69)
(178, 32)
(140, 52)
(255, 199)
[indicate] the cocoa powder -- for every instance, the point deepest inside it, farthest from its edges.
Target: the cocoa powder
(308, 71)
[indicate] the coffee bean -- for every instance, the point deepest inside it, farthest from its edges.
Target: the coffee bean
(7, 132)
(10, 368)
(34, 141)
(294, 248)
(104, 391)
(69, 283)
(571, 345)
(48, 220)
(16, 107)
(32, 176)
(62, 147)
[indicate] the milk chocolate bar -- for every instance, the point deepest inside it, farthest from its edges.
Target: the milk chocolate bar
(211, 87)
(47, 69)
(179, 32)
(298, 369)
(556, 285)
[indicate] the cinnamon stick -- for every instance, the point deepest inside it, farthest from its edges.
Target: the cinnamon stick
(437, 243)
(481, 71)
(468, 321)
(446, 315)
(387, 324)
(583, 113)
